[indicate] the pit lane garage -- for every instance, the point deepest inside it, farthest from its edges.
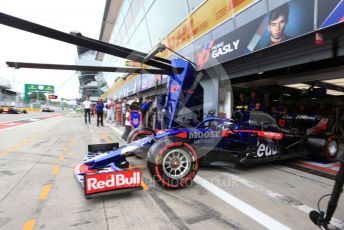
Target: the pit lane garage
(297, 102)
(298, 97)
(298, 82)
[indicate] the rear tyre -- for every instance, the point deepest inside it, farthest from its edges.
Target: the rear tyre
(331, 149)
(322, 146)
(172, 163)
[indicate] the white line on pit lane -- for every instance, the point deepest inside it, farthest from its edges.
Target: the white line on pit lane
(33, 119)
(116, 129)
(276, 196)
(24, 119)
(243, 207)
(26, 124)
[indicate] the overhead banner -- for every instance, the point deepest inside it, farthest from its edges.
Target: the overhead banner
(209, 15)
(139, 84)
(335, 16)
(289, 20)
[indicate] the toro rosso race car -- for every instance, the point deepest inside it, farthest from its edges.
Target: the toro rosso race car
(175, 152)
(173, 156)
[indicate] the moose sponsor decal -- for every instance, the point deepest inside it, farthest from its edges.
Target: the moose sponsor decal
(200, 135)
(102, 182)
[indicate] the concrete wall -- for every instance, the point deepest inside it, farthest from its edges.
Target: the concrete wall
(210, 86)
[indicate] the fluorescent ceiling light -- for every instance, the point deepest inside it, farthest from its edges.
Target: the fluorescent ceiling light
(298, 86)
(338, 82)
(334, 92)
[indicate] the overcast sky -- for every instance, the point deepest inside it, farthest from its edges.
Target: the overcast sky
(65, 15)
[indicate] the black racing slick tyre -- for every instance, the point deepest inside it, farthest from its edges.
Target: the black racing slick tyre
(331, 149)
(172, 163)
(139, 133)
(322, 146)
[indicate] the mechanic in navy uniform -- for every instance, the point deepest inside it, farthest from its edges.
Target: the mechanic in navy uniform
(254, 104)
(241, 104)
(100, 111)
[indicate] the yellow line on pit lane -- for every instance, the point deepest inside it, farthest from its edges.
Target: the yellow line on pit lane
(138, 167)
(56, 169)
(62, 157)
(143, 184)
(106, 137)
(17, 146)
(29, 224)
(45, 192)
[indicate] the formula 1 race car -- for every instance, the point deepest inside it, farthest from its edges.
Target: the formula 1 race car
(175, 152)
(174, 155)
(47, 109)
(9, 110)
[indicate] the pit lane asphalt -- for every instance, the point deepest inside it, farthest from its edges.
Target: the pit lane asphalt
(38, 189)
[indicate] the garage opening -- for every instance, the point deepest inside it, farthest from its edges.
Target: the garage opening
(297, 102)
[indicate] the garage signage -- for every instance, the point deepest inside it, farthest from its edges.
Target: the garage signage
(295, 18)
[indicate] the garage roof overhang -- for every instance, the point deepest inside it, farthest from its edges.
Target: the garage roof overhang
(111, 11)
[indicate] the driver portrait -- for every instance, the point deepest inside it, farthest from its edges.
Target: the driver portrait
(278, 20)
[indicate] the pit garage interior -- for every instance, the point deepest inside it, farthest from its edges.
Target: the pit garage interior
(309, 76)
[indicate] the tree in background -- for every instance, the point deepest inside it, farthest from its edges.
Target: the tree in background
(41, 96)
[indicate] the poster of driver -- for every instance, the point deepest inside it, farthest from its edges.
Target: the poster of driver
(280, 24)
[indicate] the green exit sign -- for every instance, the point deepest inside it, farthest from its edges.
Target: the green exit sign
(29, 88)
(39, 88)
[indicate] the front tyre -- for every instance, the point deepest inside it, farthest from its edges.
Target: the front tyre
(172, 163)
(139, 133)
